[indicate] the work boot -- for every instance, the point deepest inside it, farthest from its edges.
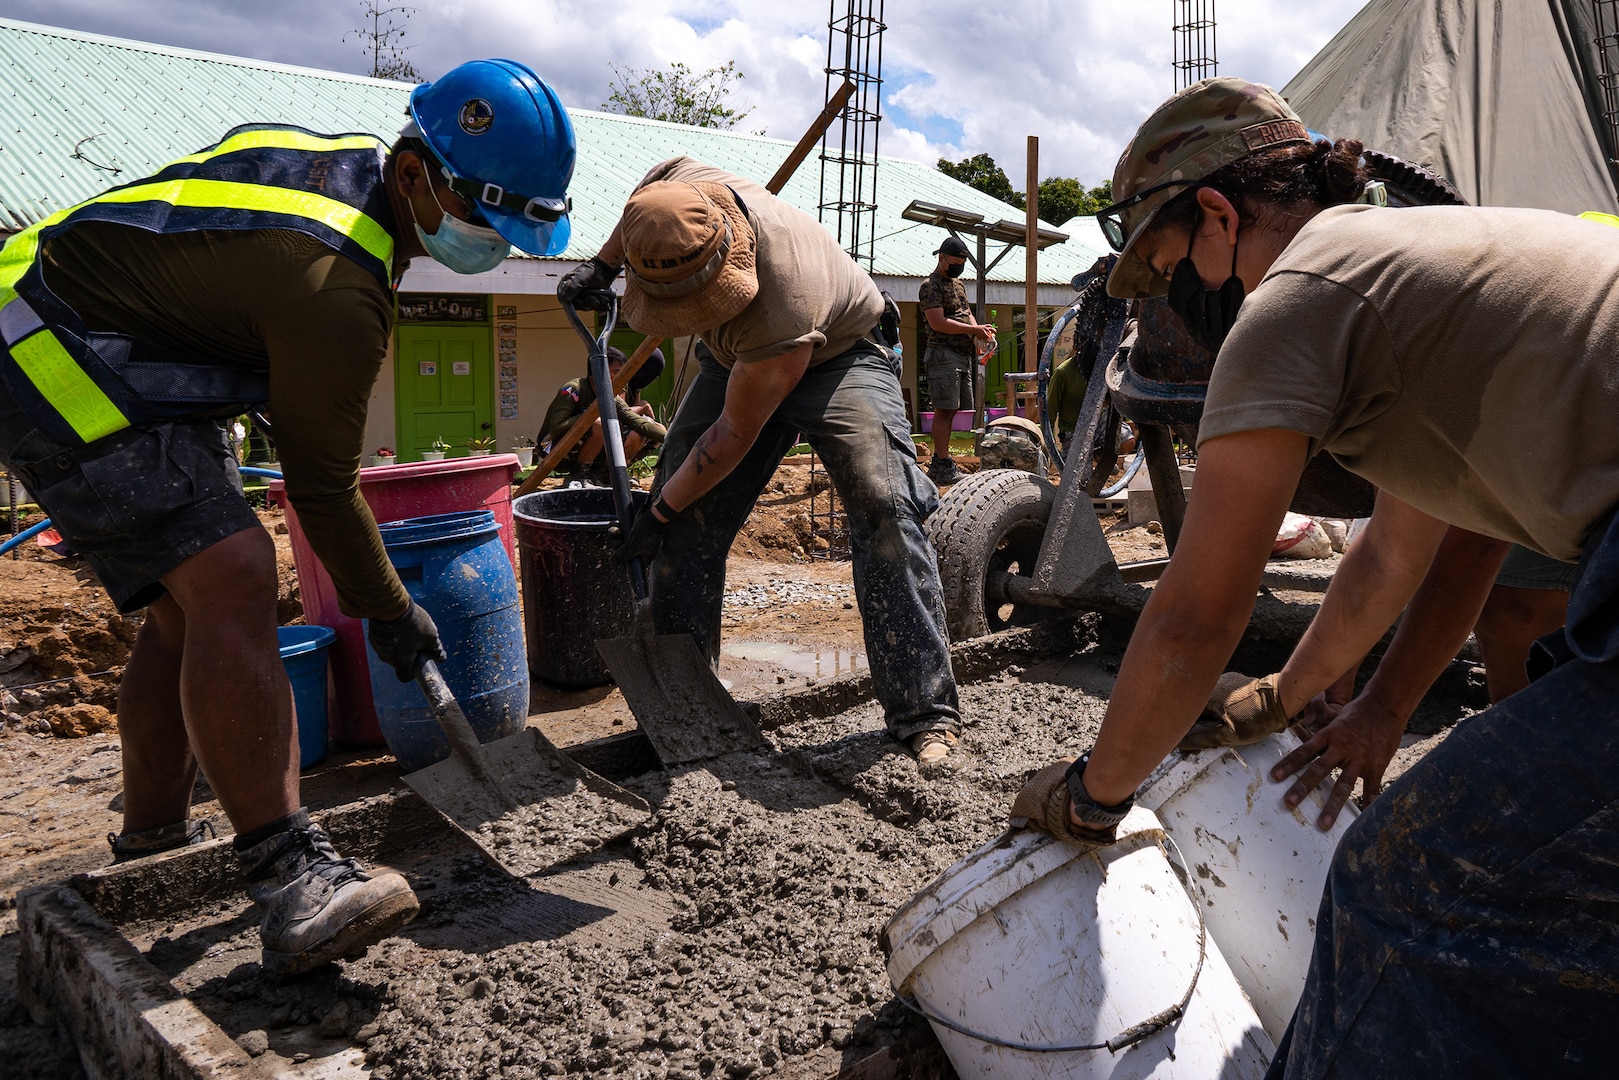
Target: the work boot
(942, 471)
(931, 747)
(136, 845)
(318, 907)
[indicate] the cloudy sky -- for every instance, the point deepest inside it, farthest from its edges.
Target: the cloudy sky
(959, 76)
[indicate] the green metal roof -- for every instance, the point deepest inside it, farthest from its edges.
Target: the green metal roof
(75, 106)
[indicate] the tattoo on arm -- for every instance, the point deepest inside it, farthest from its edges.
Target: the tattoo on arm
(702, 455)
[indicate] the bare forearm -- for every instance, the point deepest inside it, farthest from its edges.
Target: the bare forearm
(1440, 617)
(716, 453)
(1378, 577)
(1174, 658)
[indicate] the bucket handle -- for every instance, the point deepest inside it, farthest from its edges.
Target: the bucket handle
(1131, 1035)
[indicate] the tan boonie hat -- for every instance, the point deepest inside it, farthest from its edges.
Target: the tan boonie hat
(1208, 125)
(688, 257)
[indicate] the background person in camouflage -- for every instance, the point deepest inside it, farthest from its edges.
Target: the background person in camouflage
(641, 429)
(951, 356)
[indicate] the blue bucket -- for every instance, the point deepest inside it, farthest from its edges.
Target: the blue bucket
(303, 654)
(456, 568)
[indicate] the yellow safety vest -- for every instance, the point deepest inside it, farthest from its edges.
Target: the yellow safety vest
(80, 387)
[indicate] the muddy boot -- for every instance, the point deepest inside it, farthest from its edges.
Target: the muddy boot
(943, 471)
(931, 747)
(318, 907)
(135, 845)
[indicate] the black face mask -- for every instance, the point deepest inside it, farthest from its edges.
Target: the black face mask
(1208, 313)
(955, 269)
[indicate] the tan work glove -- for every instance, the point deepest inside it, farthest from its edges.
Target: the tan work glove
(1043, 804)
(1241, 710)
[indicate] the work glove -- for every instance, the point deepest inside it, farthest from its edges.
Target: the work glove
(397, 642)
(581, 287)
(888, 325)
(1043, 804)
(646, 537)
(1241, 710)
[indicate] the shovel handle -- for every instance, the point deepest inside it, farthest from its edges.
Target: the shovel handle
(463, 740)
(601, 381)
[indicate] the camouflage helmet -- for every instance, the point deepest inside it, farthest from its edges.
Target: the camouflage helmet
(1208, 125)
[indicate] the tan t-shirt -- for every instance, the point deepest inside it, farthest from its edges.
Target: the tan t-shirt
(810, 291)
(1465, 360)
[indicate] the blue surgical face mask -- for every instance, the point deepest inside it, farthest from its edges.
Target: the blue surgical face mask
(462, 246)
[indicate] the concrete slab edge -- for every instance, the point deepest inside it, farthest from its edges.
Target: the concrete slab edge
(76, 971)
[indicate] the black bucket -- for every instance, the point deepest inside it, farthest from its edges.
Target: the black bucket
(573, 591)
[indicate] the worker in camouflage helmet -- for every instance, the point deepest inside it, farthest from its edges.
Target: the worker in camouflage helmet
(792, 328)
(1467, 926)
(258, 272)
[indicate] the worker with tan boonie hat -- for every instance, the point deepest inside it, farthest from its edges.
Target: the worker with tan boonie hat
(790, 324)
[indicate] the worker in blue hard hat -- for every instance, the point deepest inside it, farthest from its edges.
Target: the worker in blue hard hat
(256, 273)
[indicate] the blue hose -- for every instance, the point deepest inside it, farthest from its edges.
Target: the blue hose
(34, 530)
(27, 534)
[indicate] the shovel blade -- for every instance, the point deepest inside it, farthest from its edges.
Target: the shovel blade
(527, 805)
(677, 699)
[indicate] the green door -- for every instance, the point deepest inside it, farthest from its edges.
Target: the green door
(443, 387)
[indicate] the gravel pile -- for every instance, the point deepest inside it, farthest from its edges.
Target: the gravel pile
(748, 597)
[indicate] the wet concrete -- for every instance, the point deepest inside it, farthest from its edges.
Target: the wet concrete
(731, 934)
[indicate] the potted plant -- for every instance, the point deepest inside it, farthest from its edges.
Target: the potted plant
(480, 446)
(383, 456)
(523, 447)
(437, 450)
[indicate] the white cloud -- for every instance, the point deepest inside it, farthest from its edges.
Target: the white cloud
(1080, 74)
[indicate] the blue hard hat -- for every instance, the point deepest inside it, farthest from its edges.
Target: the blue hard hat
(506, 145)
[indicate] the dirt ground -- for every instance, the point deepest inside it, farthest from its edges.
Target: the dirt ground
(727, 949)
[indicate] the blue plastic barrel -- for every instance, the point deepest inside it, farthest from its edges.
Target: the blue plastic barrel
(455, 567)
(303, 654)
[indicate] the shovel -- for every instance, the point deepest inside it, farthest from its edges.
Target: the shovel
(525, 804)
(677, 699)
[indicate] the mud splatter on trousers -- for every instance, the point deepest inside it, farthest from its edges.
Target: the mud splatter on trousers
(850, 410)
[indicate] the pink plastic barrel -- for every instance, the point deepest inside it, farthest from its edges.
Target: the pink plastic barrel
(394, 492)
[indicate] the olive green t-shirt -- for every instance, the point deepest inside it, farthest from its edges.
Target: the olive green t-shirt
(273, 301)
(810, 291)
(1464, 359)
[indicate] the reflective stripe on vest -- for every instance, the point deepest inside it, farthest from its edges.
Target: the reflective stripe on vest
(48, 359)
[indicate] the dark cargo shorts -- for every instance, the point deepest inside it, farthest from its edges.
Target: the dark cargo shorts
(135, 504)
(950, 378)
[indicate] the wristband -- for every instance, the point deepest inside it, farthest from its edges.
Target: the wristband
(668, 512)
(1086, 809)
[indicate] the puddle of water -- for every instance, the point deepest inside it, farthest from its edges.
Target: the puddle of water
(814, 661)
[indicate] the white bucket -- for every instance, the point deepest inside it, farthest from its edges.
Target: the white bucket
(1259, 865)
(1026, 941)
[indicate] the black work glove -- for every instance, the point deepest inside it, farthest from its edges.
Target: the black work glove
(888, 325)
(397, 642)
(590, 277)
(646, 536)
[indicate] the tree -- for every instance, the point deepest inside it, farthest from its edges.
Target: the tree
(383, 42)
(678, 95)
(1063, 197)
(981, 172)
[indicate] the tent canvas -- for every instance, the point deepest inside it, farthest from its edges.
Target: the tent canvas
(1501, 98)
